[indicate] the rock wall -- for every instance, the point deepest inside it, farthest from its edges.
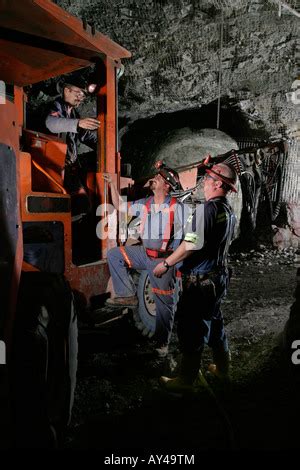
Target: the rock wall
(187, 55)
(178, 56)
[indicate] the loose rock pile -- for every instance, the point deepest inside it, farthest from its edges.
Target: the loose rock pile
(266, 256)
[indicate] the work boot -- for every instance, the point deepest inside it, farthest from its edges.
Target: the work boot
(131, 301)
(188, 375)
(179, 385)
(220, 367)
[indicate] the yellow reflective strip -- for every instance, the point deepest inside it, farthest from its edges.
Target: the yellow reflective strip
(191, 237)
(221, 217)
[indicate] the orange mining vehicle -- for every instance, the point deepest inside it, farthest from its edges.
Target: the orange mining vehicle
(39, 277)
(50, 267)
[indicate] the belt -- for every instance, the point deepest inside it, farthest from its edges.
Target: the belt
(158, 253)
(202, 277)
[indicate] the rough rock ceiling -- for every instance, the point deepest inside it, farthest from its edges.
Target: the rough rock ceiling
(188, 53)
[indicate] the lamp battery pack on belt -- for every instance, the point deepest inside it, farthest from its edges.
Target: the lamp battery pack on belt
(201, 288)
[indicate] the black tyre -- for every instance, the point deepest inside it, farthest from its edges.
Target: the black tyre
(145, 314)
(44, 360)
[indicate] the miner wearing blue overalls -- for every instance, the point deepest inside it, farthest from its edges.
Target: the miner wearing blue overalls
(205, 278)
(161, 231)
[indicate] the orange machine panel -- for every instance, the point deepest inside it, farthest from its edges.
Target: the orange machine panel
(49, 154)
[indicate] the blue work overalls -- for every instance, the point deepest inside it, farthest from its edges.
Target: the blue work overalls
(136, 257)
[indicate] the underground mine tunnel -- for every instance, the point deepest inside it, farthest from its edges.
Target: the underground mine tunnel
(178, 86)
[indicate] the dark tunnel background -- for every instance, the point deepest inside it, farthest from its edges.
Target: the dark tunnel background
(144, 136)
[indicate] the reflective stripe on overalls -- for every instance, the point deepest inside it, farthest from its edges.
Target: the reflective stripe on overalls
(125, 256)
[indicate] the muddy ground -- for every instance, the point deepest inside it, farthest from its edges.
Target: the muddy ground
(120, 408)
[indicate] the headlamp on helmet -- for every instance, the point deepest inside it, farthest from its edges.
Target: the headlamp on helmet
(168, 174)
(87, 87)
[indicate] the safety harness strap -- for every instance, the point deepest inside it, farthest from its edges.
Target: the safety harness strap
(169, 224)
(158, 253)
(145, 214)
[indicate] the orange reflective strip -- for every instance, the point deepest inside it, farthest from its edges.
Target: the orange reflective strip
(146, 210)
(162, 292)
(125, 256)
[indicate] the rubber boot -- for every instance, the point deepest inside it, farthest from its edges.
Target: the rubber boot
(220, 367)
(190, 378)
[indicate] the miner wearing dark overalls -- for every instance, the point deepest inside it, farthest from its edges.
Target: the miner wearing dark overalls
(161, 231)
(205, 278)
(64, 119)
